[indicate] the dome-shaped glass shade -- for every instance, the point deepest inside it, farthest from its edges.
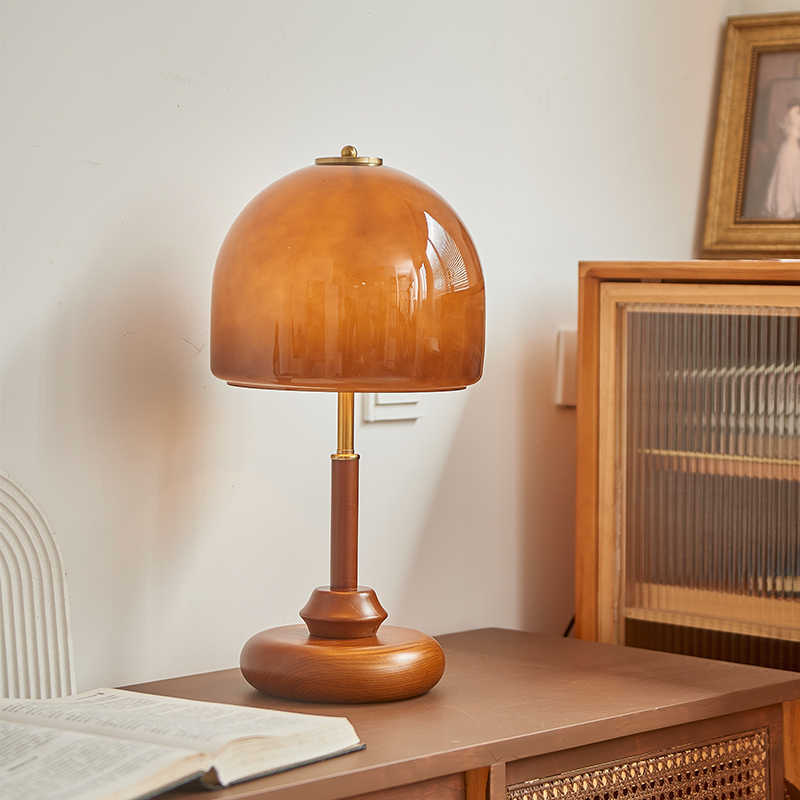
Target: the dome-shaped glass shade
(348, 278)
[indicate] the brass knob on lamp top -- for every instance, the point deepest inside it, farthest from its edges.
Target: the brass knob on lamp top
(349, 156)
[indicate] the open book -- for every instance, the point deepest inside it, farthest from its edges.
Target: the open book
(110, 744)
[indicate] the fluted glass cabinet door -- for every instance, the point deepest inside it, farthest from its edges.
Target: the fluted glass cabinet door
(699, 483)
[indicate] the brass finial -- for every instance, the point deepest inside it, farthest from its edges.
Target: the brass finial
(349, 156)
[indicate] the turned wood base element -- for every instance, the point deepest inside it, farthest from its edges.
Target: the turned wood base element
(345, 614)
(394, 664)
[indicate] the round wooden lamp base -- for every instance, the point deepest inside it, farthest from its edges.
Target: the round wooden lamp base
(394, 664)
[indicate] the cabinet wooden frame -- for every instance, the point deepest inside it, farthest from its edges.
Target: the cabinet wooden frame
(612, 483)
(597, 429)
(592, 275)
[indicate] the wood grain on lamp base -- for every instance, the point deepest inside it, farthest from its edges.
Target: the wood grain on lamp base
(395, 664)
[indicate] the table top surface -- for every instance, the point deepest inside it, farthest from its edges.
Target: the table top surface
(505, 695)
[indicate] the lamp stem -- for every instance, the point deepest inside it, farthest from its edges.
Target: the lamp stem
(344, 501)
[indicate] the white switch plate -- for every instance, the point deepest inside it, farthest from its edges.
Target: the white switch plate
(389, 406)
(566, 368)
(395, 398)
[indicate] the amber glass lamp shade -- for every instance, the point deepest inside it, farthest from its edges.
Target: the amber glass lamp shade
(348, 277)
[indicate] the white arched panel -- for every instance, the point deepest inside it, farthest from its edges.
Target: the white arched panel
(35, 647)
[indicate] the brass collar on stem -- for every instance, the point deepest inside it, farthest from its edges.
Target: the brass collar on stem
(344, 429)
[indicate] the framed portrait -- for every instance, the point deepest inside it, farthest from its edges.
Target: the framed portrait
(754, 189)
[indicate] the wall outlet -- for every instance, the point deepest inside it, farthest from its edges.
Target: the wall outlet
(566, 393)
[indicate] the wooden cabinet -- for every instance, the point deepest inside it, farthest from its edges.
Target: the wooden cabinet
(688, 509)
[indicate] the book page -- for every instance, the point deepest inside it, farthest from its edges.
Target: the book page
(54, 764)
(204, 727)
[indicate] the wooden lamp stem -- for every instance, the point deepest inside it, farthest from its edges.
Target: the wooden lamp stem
(344, 502)
(344, 610)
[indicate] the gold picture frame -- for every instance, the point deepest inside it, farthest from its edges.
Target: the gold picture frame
(753, 204)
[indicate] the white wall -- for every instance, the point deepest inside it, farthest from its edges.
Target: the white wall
(191, 514)
(762, 6)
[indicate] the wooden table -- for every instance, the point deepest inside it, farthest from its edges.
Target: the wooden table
(579, 719)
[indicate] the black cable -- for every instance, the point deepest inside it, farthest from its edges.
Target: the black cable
(569, 627)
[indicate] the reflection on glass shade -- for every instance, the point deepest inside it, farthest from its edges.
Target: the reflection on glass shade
(447, 263)
(348, 278)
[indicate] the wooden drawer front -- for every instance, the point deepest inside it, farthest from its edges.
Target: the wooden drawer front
(735, 767)
(448, 787)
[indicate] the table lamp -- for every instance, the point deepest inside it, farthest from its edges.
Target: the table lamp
(346, 276)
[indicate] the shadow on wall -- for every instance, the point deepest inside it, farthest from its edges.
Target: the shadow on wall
(702, 199)
(545, 569)
(520, 530)
(456, 546)
(115, 427)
